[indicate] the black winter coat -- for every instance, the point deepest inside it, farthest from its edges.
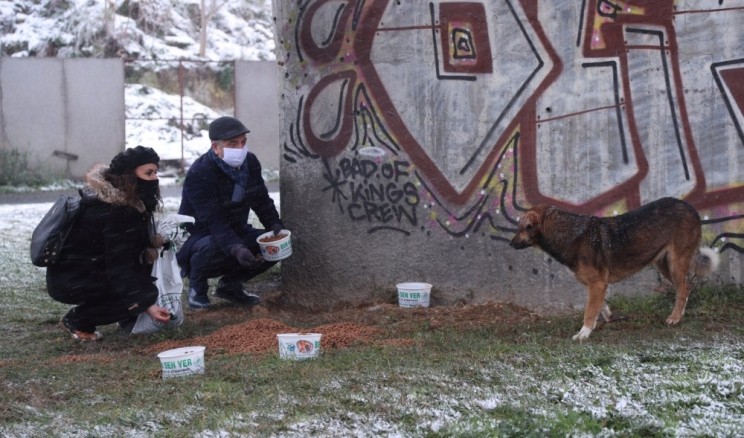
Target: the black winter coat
(208, 197)
(104, 250)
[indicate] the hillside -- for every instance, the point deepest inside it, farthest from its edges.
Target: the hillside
(146, 29)
(139, 31)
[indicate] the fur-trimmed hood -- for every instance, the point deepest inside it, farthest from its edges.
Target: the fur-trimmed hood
(100, 188)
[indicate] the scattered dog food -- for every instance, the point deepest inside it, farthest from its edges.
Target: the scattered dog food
(268, 239)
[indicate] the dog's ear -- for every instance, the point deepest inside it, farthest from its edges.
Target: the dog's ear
(528, 230)
(529, 224)
(532, 218)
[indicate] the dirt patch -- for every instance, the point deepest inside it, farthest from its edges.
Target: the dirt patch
(83, 358)
(259, 336)
(382, 324)
(239, 331)
(457, 317)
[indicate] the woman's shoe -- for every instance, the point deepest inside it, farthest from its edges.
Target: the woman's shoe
(126, 325)
(80, 335)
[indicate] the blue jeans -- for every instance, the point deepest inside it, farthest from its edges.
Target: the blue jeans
(207, 261)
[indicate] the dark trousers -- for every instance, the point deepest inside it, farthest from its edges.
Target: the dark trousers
(208, 261)
(95, 303)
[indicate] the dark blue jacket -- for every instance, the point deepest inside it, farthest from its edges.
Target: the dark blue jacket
(208, 197)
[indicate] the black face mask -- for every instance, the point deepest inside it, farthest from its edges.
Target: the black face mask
(149, 193)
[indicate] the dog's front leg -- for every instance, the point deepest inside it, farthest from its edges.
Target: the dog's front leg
(594, 304)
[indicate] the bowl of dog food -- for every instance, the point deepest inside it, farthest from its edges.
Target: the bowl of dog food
(413, 294)
(299, 346)
(275, 247)
(179, 362)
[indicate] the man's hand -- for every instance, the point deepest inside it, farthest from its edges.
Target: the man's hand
(276, 228)
(244, 256)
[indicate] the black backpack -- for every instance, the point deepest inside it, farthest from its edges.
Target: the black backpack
(50, 235)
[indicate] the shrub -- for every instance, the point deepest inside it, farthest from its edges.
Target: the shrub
(15, 171)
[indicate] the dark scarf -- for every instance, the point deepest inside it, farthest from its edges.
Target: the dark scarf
(239, 175)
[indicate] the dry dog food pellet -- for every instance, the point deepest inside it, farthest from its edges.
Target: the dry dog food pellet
(268, 239)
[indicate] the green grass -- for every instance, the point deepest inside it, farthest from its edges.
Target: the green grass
(635, 377)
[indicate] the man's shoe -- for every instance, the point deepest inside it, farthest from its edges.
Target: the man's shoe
(238, 295)
(198, 301)
(79, 335)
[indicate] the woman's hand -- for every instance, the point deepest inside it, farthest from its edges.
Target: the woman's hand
(157, 241)
(149, 256)
(159, 314)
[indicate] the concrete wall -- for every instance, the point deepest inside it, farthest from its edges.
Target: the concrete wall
(58, 108)
(257, 106)
(54, 108)
(415, 134)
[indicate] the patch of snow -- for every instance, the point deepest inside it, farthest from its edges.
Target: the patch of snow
(154, 119)
(240, 30)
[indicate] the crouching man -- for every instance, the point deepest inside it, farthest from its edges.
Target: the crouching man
(221, 188)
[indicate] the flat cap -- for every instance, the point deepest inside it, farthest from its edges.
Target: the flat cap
(225, 128)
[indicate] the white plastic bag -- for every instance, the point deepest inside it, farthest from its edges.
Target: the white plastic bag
(169, 284)
(168, 274)
(172, 228)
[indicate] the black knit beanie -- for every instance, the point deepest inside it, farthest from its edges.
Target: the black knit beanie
(132, 158)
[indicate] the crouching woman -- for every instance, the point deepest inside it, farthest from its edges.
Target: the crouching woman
(107, 259)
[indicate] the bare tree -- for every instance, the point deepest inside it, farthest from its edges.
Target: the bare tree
(208, 9)
(109, 17)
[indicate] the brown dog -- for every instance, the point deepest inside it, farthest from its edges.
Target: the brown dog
(601, 251)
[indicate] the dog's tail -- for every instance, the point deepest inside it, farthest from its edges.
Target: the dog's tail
(705, 262)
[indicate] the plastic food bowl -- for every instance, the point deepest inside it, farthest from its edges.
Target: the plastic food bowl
(298, 346)
(185, 361)
(275, 248)
(413, 294)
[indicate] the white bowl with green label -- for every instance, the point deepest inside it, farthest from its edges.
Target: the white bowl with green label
(275, 248)
(413, 294)
(184, 361)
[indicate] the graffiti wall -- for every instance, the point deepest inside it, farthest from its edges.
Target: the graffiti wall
(416, 132)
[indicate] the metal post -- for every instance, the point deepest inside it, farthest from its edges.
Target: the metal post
(180, 87)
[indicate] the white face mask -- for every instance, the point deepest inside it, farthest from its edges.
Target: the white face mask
(234, 157)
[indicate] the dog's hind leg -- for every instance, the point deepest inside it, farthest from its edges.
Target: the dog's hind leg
(662, 265)
(594, 305)
(605, 313)
(679, 267)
